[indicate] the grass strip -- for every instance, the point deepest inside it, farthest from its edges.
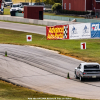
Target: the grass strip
(9, 91)
(61, 15)
(6, 11)
(18, 1)
(66, 47)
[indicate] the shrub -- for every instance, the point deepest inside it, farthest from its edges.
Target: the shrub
(76, 12)
(57, 7)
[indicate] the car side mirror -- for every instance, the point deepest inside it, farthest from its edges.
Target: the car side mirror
(78, 67)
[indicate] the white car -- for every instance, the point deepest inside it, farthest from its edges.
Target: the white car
(2, 9)
(7, 2)
(87, 70)
(21, 9)
(15, 7)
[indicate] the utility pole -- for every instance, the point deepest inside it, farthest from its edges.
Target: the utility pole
(31, 2)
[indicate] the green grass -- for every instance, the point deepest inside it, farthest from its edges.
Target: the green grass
(64, 15)
(18, 1)
(66, 47)
(9, 91)
(6, 11)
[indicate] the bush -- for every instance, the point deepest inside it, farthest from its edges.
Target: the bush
(75, 12)
(57, 7)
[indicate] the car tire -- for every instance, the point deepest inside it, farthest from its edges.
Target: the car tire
(81, 79)
(76, 76)
(2, 13)
(5, 5)
(99, 79)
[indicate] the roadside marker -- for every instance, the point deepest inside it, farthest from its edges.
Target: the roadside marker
(6, 53)
(29, 38)
(68, 77)
(83, 45)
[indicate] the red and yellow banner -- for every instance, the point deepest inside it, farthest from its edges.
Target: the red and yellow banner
(57, 32)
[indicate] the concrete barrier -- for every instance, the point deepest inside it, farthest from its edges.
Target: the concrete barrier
(35, 21)
(18, 19)
(9, 19)
(32, 21)
(5, 18)
(40, 22)
(45, 23)
(1, 17)
(26, 20)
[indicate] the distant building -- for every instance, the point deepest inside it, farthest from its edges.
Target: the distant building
(81, 5)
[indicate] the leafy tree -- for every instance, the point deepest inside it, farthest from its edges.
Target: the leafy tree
(56, 7)
(52, 1)
(58, 1)
(38, 1)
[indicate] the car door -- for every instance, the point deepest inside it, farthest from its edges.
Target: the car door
(78, 70)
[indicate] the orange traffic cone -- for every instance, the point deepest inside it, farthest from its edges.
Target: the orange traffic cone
(96, 16)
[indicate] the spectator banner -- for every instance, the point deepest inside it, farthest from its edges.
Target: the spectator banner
(57, 32)
(79, 31)
(95, 30)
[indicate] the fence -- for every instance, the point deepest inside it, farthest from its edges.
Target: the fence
(70, 19)
(64, 18)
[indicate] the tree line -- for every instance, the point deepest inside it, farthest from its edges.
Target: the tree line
(49, 1)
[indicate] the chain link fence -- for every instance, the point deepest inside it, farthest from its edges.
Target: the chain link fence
(97, 13)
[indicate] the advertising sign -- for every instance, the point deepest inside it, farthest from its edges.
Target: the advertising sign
(57, 32)
(79, 31)
(95, 30)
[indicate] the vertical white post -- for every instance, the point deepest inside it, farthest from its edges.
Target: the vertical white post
(62, 4)
(85, 5)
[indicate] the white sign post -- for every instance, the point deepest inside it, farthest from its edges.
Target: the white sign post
(29, 38)
(83, 45)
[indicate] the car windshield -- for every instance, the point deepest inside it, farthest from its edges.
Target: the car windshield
(8, 0)
(15, 6)
(21, 7)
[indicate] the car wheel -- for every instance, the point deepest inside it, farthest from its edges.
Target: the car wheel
(81, 79)
(76, 76)
(99, 79)
(2, 13)
(5, 5)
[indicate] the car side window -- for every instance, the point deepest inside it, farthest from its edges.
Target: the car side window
(79, 67)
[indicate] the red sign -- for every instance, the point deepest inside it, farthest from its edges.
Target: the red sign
(57, 32)
(83, 45)
(29, 37)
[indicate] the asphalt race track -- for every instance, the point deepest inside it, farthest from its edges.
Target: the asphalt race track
(42, 69)
(45, 70)
(23, 27)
